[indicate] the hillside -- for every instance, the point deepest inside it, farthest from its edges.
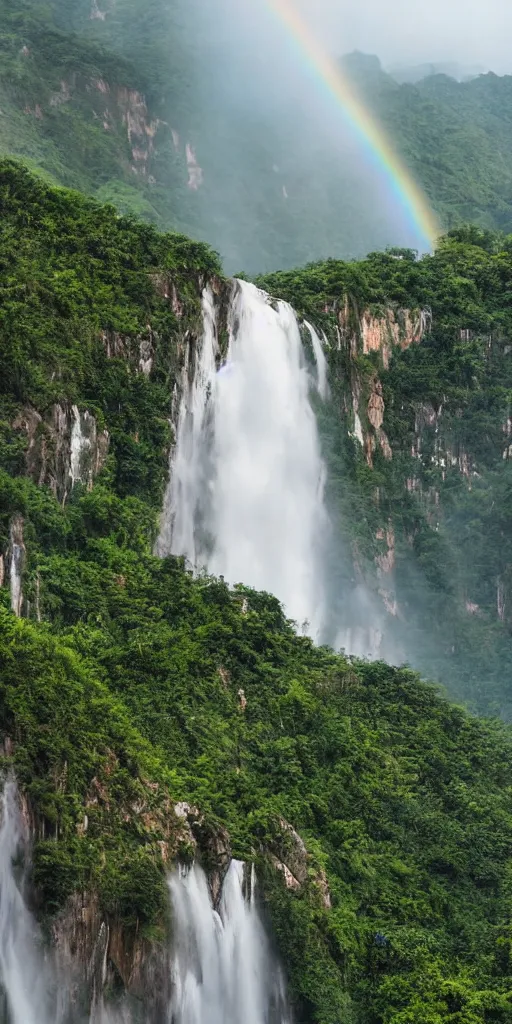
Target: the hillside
(80, 113)
(420, 471)
(455, 136)
(135, 106)
(129, 688)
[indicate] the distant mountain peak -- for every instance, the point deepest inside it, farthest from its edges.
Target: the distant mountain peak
(413, 73)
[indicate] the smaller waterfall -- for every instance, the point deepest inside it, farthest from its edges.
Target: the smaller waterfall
(32, 990)
(16, 567)
(321, 361)
(23, 975)
(223, 971)
(81, 446)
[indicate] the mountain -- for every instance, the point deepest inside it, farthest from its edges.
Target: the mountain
(417, 72)
(139, 106)
(150, 715)
(451, 134)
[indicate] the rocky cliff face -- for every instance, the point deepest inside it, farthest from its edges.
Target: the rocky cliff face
(378, 335)
(63, 447)
(102, 961)
(104, 965)
(68, 444)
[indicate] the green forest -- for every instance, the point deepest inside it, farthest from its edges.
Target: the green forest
(128, 684)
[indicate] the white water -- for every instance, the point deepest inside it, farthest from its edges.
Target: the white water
(80, 446)
(223, 970)
(268, 514)
(321, 361)
(23, 974)
(76, 447)
(187, 470)
(16, 567)
(246, 494)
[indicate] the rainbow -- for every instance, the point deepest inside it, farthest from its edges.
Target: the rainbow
(410, 196)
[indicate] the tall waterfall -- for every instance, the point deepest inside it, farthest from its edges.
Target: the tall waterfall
(223, 970)
(246, 494)
(23, 975)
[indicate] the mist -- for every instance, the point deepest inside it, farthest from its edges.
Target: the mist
(469, 32)
(286, 181)
(281, 177)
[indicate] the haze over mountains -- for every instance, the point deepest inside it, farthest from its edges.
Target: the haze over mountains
(417, 72)
(140, 107)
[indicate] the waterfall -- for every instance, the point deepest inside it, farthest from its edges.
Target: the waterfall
(23, 975)
(246, 494)
(268, 515)
(186, 479)
(81, 447)
(223, 971)
(16, 567)
(321, 361)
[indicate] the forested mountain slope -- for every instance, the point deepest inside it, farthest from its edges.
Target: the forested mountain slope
(128, 688)
(88, 117)
(420, 472)
(134, 104)
(455, 136)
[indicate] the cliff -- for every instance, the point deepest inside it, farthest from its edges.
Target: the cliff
(419, 355)
(151, 717)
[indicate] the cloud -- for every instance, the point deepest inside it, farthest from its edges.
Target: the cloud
(412, 31)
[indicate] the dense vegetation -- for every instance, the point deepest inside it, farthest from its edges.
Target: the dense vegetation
(446, 491)
(130, 685)
(404, 800)
(455, 136)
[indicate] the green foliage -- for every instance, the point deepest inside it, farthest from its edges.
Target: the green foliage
(404, 799)
(126, 696)
(447, 489)
(72, 276)
(80, 760)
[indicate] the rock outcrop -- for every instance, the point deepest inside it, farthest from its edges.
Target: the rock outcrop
(211, 844)
(95, 955)
(63, 448)
(290, 858)
(16, 564)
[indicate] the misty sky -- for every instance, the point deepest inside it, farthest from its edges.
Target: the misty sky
(413, 31)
